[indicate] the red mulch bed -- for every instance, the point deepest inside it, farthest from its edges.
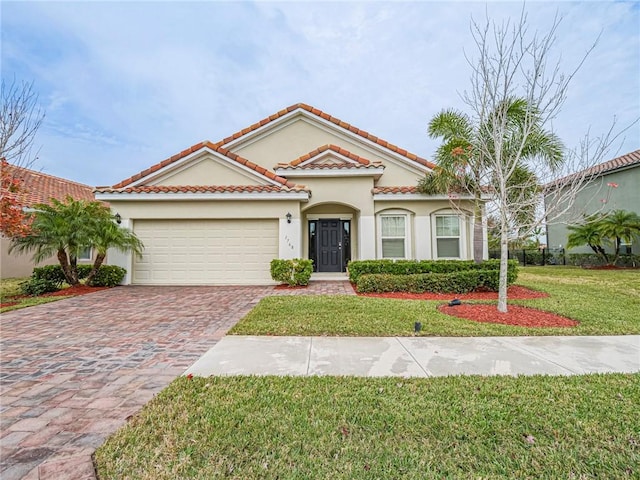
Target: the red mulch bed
(74, 291)
(514, 292)
(516, 315)
(487, 313)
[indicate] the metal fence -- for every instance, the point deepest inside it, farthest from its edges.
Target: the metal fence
(543, 256)
(557, 256)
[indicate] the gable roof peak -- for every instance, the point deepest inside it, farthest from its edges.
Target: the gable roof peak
(205, 145)
(331, 119)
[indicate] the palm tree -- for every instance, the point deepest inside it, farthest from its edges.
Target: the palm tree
(619, 226)
(66, 229)
(588, 233)
(462, 158)
(108, 235)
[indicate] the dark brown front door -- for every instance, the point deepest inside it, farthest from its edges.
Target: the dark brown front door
(329, 245)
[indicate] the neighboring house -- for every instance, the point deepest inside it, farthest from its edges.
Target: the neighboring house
(298, 184)
(38, 188)
(612, 185)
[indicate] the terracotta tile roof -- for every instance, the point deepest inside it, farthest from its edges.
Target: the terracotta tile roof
(395, 190)
(41, 187)
(337, 121)
(626, 160)
(195, 148)
(203, 189)
(361, 162)
(623, 161)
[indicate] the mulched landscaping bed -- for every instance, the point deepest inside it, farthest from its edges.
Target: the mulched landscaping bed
(516, 315)
(487, 313)
(74, 291)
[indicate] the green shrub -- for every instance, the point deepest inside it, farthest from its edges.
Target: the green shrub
(454, 282)
(38, 286)
(411, 267)
(293, 272)
(54, 273)
(108, 276)
(49, 273)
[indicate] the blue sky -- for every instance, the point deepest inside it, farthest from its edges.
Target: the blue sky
(128, 84)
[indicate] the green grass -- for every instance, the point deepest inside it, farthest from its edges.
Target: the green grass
(605, 302)
(357, 428)
(10, 287)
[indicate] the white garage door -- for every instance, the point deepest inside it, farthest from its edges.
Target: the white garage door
(205, 252)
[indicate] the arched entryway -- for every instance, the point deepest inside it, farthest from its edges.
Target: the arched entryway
(330, 237)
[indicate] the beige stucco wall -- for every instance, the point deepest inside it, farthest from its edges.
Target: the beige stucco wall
(354, 192)
(302, 136)
(208, 170)
(182, 209)
(15, 265)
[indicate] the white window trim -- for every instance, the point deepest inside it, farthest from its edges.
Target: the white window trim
(462, 225)
(407, 232)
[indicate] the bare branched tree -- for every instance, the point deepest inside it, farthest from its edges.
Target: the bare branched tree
(514, 65)
(20, 119)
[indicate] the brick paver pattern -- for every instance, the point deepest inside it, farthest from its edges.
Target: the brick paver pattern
(72, 372)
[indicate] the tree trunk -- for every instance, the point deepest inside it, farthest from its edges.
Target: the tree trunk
(504, 258)
(478, 236)
(66, 269)
(96, 266)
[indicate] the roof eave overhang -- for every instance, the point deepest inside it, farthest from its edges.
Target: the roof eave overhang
(137, 197)
(422, 196)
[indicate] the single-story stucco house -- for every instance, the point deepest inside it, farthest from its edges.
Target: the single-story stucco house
(298, 184)
(38, 187)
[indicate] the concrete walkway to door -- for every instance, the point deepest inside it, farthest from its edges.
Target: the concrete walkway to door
(73, 371)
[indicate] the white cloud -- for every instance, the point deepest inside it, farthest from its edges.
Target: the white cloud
(126, 85)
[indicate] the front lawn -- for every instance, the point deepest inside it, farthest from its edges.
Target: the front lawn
(605, 302)
(365, 428)
(10, 288)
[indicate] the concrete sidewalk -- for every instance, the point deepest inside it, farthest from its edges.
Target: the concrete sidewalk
(419, 356)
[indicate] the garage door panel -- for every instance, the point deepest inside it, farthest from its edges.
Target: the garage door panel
(210, 252)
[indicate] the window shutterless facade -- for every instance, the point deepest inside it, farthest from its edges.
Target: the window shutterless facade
(448, 236)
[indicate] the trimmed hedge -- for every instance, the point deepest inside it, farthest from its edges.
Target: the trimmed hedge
(294, 272)
(410, 267)
(439, 276)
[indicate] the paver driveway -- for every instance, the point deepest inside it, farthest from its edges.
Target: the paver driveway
(73, 371)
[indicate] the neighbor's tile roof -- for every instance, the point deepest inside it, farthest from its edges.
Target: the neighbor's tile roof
(40, 187)
(218, 147)
(203, 189)
(628, 159)
(396, 189)
(329, 118)
(195, 148)
(361, 162)
(623, 161)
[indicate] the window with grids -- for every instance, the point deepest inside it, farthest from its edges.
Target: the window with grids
(448, 236)
(394, 236)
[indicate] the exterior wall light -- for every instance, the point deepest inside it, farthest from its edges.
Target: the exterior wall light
(288, 217)
(118, 218)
